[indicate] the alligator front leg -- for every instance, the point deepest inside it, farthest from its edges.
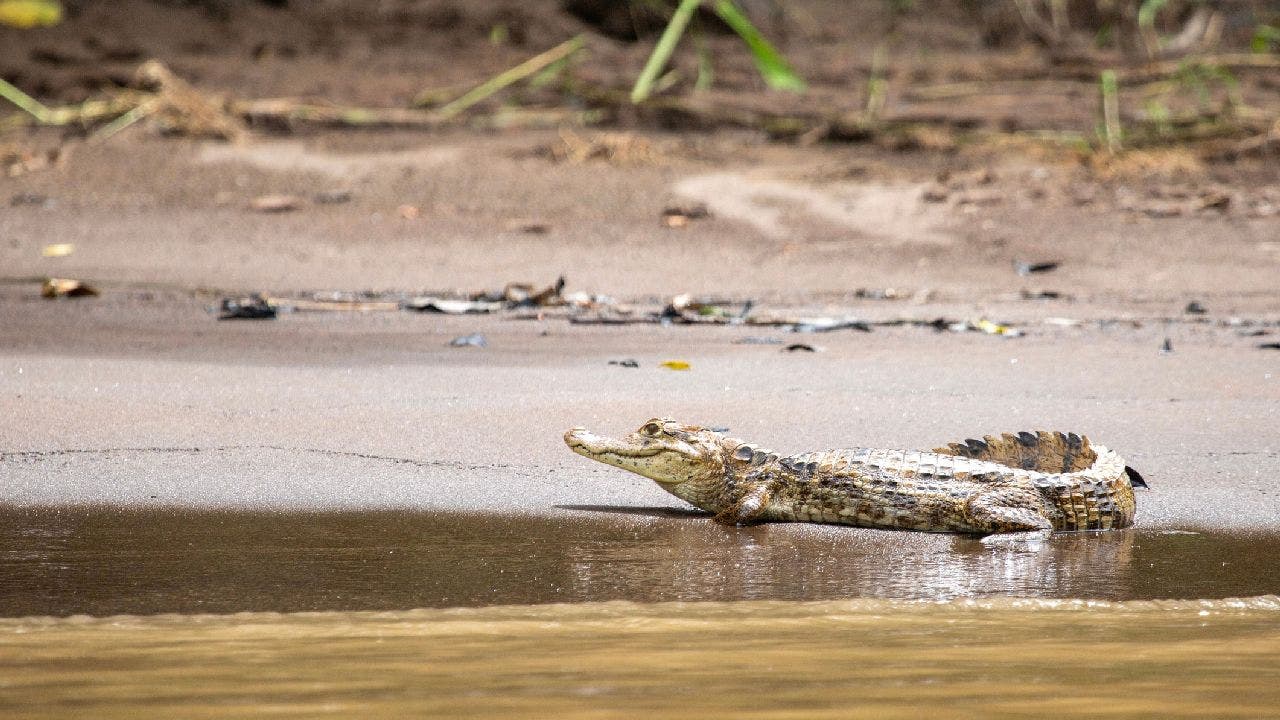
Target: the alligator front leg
(749, 505)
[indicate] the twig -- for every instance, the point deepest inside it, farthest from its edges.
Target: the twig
(948, 91)
(515, 74)
(120, 123)
(288, 110)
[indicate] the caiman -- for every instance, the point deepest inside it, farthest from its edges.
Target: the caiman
(1024, 482)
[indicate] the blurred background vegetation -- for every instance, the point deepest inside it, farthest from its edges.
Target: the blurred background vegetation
(1095, 75)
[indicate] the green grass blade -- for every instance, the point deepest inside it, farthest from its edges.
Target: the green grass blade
(24, 101)
(662, 51)
(775, 70)
(1111, 130)
(706, 71)
(1264, 37)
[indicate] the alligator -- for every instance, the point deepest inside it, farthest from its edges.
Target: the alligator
(1025, 482)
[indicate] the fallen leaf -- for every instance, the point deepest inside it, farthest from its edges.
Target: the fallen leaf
(473, 340)
(275, 203)
(675, 365)
(27, 14)
(58, 250)
(66, 287)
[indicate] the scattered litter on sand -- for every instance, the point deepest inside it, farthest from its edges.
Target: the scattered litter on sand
(1061, 322)
(824, 324)
(58, 250)
(275, 203)
(1028, 268)
(993, 328)
(66, 287)
(452, 307)
(628, 363)
(675, 365)
(688, 309)
(31, 200)
(529, 301)
(253, 307)
(678, 216)
(620, 148)
(332, 197)
(529, 227)
(472, 340)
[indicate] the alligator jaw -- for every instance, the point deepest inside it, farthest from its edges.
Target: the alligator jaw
(650, 459)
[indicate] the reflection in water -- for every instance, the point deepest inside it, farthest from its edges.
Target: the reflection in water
(102, 562)
(836, 659)
(694, 561)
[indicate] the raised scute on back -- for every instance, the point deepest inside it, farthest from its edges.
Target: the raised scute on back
(1042, 451)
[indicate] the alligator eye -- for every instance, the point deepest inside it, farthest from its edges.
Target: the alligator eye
(651, 429)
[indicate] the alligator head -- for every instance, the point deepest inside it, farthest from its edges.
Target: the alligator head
(686, 460)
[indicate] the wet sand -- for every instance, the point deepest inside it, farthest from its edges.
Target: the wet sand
(156, 404)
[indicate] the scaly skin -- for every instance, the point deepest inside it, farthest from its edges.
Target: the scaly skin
(1013, 483)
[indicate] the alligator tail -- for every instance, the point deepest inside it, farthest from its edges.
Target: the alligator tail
(1041, 451)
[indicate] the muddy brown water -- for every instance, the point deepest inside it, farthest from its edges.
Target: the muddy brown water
(109, 561)
(609, 612)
